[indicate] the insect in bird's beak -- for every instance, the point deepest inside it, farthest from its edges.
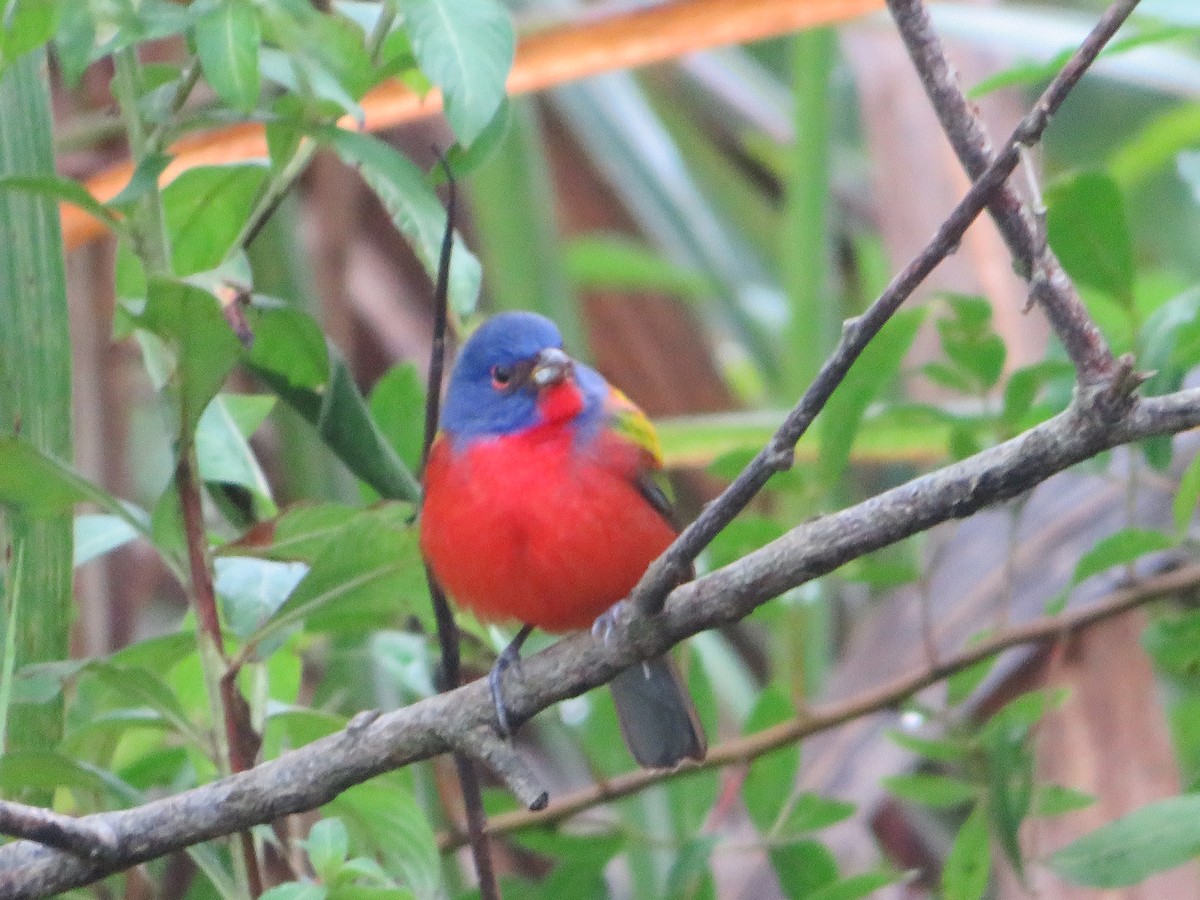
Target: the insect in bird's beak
(550, 367)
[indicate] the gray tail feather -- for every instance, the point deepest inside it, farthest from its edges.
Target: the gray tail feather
(657, 716)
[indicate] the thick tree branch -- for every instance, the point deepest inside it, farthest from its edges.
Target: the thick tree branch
(744, 750)
(777, 456)
(306, 778)
(1021, 230)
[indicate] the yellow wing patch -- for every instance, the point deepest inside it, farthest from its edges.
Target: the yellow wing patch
(628, 420)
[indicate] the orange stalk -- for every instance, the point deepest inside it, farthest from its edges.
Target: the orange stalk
(545, 58)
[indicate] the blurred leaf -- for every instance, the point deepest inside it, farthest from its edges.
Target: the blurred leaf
(965, 874)
(371, 576)
(1152, 148)
(1086, 224)
(414, 208)
(1055, 800)
(861, 885)
(937, 750)
(251, 590)
(770, 779)
(223, 453)
(296, 890)
(1187, 495)
(227, 42)
(40, 485)
(1156, 837)
(1174, 644)
(140, 686)
(962, 684)
(616, 262)
(206, 208)
(328, 845)
(936, 791)
(26, 26)
(1119, 548)
(289, 344)
(398, 408)
(466, 49)
(812, 812)
(303, 532)
(98, 533)
(803, 868)
(58, 188)
(334, 407)
(870, 374)
(382, 817)
(190, 321)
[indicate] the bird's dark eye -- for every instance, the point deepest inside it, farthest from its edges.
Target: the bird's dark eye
(501, 377)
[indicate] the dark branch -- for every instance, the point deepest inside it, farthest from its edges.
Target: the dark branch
(1025, 237)
(814, 720)
(669, 568)
(312, 775)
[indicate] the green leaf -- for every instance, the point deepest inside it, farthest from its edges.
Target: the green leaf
(414, 208)
(770, 779)
(1119, 548)
(99, 533)
(27, 24)
(965, 875)
(289, 344)
(138, 686)
(864, 884)
(1156, 837)
(189, 320)
(328, 845)
(962, 684)
(58, 188)
(870, 374)
(227, 42)
(398, 408)
(812, 812)
(936, 750)
(466, 49)
(803, 868)
(40, 485)
(615, 262)
(936, 791)
(1174, 644)
(222, 451)
(371, 576)
(383, 817)
(1055, 800)
(251, 590)
(335, 408)
(205, 209)
(1086, 224)
(296, 890)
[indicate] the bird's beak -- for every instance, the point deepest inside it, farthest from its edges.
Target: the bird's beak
(550, 367)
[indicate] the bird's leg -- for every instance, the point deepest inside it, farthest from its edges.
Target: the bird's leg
(511, 656)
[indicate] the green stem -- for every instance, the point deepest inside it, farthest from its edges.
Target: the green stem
(814, 320)
(147, 222)
(12, 594)
(383, 25)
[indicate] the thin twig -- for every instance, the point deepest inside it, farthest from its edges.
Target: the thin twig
(746, 749)
(1018, 226)
(241, 741)
(777, 456)
(449, 675)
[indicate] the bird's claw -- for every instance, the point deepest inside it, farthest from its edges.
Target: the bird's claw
(603, 627)
(510, 658)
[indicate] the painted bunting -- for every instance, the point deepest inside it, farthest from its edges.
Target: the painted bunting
(540, 508)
